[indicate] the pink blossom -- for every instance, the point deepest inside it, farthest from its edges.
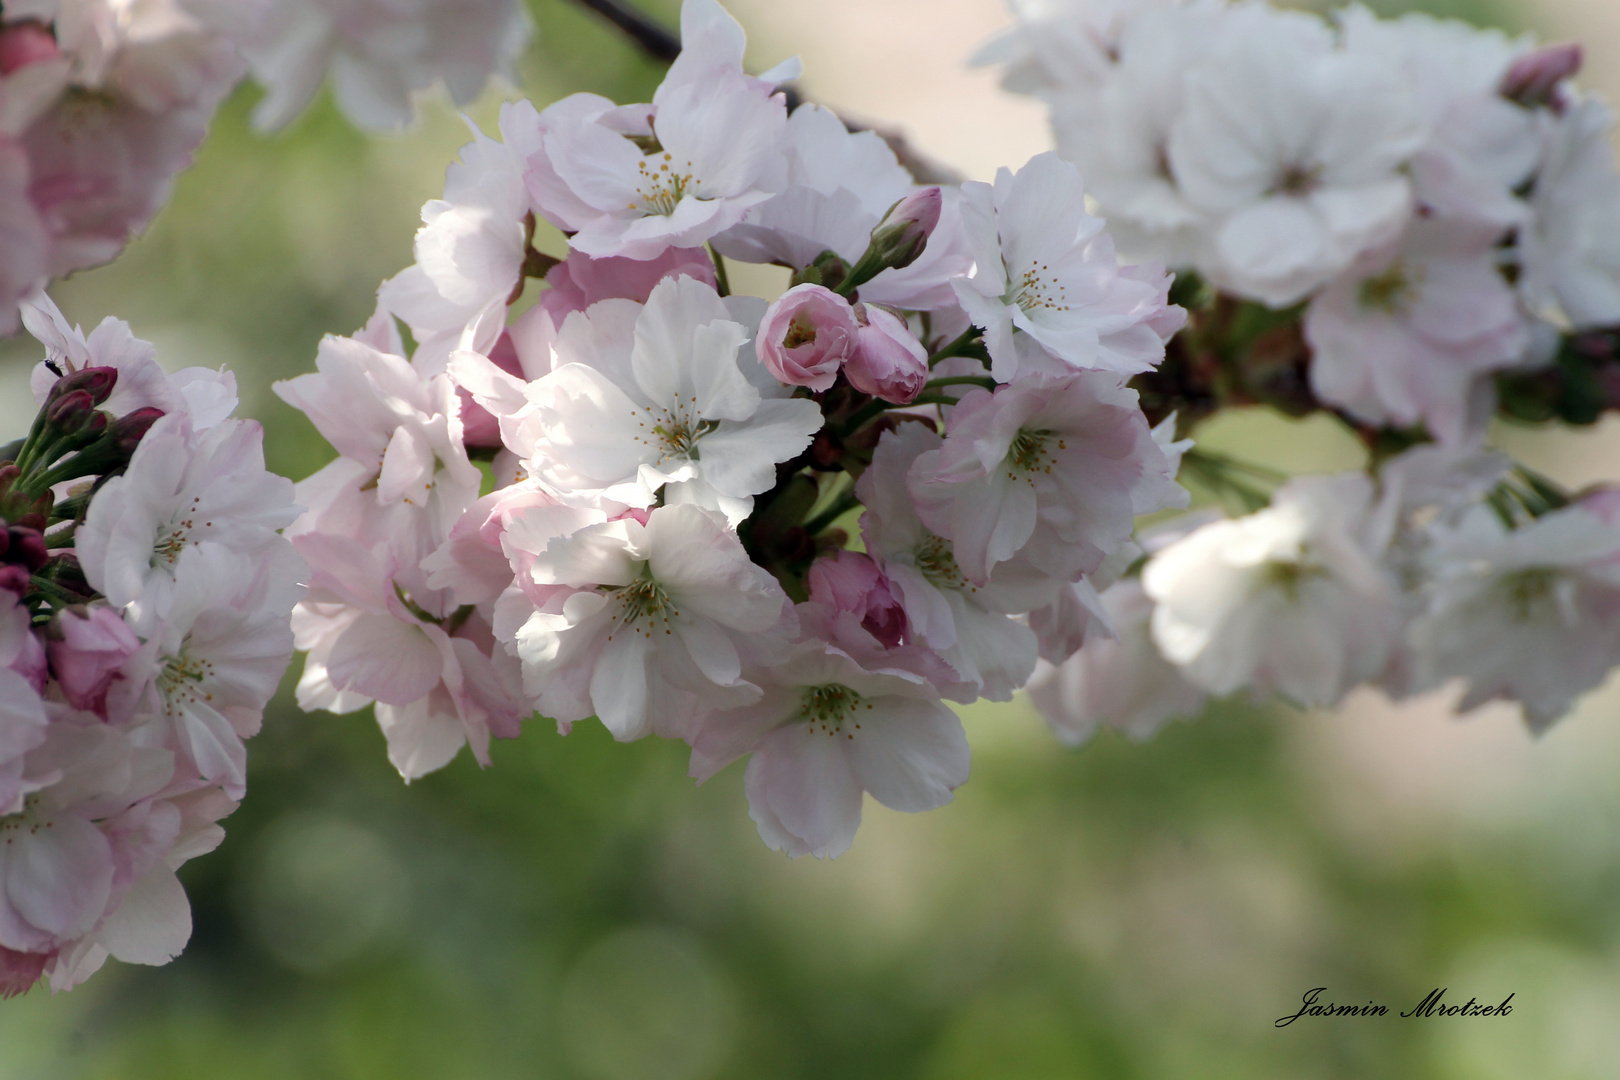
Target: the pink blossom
(825, 731)
(473, 564)
(1407, 334)
(373, 630)
(851, 582)
(807, 335)
(648, 622)
(1047, 287)
(1120, 682)
(839, 185)
(207, 396)
(87, 648)
(716, 154)
(1535, 78)
(580, 281)
(1050, 470)
(888, 361)
(59, 865)
(379, 54)
(965, 624)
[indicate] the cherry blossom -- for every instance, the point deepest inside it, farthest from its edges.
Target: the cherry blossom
(1047, 288)
(823, 731)
(648, 620)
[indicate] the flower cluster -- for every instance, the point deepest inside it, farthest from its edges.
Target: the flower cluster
(144, 603)
(103, 102)
(1448, 566)
(1410, 224)
(637, 497)
(1440, 198)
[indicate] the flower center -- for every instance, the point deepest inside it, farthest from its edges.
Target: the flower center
(1390, 291)
(660, 187)
(1288, 575)
(799, 333)
(828, 707)
(182, 680)
(642, 604)
(1297, 179)
(676, 433)
(1530, 593)
(24, 820)
(1031, 453)
(173, 541)
(937, 563)
(1037, 289)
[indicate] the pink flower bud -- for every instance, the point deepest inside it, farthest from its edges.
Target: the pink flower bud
(905, 231)
(851, 582)
(86, 648)
(26, 43)
(26, 546)
(889, 363)
(807, 335)
(1535, 78)
(128, 430)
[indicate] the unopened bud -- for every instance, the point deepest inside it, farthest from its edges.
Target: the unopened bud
(64, 570)
(128, 430)
(828, 271)
(69, 412)
(98, 382)
(904, 231)
(26, 547)
(1534, 80)
(26, 43)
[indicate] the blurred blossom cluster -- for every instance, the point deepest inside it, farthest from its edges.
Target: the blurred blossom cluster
(663, 536)
(144, 603)
(103, 102)
(1410, 224)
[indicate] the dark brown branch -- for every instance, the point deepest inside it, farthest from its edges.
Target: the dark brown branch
(662, 45)
(649, 35)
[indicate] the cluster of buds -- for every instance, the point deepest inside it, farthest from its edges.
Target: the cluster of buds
(144, 603)
(788, 529)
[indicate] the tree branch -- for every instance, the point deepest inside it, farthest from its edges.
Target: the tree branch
(649, 36)
(660, 44)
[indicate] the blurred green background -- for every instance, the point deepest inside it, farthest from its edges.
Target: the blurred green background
(581, 910)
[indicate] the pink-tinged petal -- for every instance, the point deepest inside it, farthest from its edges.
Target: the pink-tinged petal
(619, 684)
(58, 878)
(808, 785)
(385, 659)
(152, 923)
(771, 830)
(421, 739)
(210, 740)
(909, 754)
